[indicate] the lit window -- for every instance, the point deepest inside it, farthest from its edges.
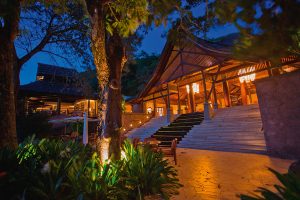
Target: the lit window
(195, 87)
(149, 110)
(187, 89)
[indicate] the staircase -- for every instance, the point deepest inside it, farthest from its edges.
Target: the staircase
(178, 128)
(236, 129)
(147, 129)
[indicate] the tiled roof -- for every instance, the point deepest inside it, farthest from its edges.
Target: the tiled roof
(45, 69)
(52, 88)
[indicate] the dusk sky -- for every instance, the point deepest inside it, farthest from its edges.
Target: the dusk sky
(153, 43)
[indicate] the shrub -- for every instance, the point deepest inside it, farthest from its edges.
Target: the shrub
(290, 189)
(53, 169)
(147, 173)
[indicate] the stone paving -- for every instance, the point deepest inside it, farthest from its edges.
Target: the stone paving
(216, 175)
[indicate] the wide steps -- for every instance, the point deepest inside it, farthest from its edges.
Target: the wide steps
(177, 129)
(236, 129)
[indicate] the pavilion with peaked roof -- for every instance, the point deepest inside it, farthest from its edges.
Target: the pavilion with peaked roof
(201, 76)
(58, 90)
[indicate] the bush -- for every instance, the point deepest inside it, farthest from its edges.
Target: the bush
(53, 169)
(290, 189)
(147, 173)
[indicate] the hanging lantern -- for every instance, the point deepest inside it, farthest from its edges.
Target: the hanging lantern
(187, 89)
(247, 78)
(195, 87)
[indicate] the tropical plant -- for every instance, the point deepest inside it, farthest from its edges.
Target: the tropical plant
(288, 190)
(147, 173)
(53, 169)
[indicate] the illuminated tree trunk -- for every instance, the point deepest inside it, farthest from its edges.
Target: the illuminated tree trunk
(8, 32)
(109, 78)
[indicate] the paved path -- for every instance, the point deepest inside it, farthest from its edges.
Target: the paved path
(148, 128)
(235, 129)
(215, 175)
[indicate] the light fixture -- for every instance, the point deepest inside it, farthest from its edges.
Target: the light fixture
(247, 78)
(195, 87)
(140, 122)
(149, 110)
(130, 125)
(187, 89)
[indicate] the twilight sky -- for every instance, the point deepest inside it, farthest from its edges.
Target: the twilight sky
(153, 43)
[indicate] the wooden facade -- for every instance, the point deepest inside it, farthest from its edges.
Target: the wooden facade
(202, 76)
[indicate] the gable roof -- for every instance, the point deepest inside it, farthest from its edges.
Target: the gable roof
(52, 70)
(196, 55)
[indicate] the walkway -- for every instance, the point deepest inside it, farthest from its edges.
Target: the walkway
(236, 129)
(215, 175)
(147, 129)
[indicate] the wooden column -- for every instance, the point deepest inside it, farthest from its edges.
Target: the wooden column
(168, 105)
(89, 105)
(95, 110)
(226, 94)
(58, 105)
(26, 105)
(215, 98)
(244, 93)
(192, 98)
(206, 104)
(154, 105)
(178, 101)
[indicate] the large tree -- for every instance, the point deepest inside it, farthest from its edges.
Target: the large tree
(9, 20)
(111, 21)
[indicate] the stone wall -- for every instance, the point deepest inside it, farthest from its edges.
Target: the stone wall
(279, 101)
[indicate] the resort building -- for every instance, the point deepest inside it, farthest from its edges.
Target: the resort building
(200, 76)
(59, 91)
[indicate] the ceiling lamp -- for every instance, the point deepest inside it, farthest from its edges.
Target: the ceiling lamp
(247, 78)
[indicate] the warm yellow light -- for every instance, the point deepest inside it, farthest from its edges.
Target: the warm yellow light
(195, 87)
(124, 129)
(247, 78)
(130, 125)
(187, 89)
(147, 117)
(140, 122)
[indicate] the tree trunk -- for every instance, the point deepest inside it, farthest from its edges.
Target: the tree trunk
(109, 78)
(8, 32)
(116, 61)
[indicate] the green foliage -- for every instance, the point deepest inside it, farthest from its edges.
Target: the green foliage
(137, 73)
(147, 173)
(269, 29)
(27, 125)
(290, 189)
(53, 169)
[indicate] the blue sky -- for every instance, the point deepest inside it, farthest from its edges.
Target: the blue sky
(153, 42)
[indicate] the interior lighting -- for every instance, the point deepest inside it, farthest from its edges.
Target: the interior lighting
(247, 78)
(187, 89)
(195, 87)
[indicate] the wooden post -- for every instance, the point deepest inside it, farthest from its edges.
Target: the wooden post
(206, 104)
(226, 94)
(58, 105)
(192, 98)
(244, 93)
(26, 105)
(88, 111)
(168, 105)
(215, 98)
(179, 105)
(154, 105)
